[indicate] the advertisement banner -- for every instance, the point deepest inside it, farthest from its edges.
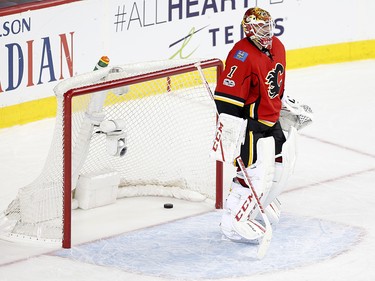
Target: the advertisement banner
(39, 48)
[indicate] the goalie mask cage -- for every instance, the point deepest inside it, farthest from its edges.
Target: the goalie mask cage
(169, 124)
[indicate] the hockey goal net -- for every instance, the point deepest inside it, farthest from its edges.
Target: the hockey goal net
(147, 128)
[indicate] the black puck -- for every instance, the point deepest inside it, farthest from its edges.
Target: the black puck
(168, 205)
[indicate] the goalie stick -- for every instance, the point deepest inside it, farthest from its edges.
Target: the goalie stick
(204, 81)
(264, 244)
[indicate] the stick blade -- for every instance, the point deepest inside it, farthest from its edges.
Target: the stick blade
(265, 243)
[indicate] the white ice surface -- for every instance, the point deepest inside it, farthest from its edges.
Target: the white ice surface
(334, 180)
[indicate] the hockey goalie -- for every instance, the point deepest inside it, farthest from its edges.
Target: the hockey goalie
(257, 129)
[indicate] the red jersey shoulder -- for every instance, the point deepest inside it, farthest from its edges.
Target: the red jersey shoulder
(277, 45)
(240, 51)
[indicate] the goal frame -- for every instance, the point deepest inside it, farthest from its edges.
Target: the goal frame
(67, 132)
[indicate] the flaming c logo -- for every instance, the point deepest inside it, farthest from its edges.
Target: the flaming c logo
(273, 80)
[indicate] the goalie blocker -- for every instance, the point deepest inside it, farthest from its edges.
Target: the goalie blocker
(230, 135)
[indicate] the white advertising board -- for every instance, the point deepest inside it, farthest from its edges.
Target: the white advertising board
(41, 47)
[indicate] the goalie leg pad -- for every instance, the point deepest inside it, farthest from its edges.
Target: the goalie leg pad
(235, 224)
(238, 220)
(262, 172)
(273, 212)
(285, 169)
(253, 227)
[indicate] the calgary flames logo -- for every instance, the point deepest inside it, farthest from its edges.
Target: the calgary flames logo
(273, 80)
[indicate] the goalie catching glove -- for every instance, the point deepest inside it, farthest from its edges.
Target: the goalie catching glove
(229, 136)
(294, 114)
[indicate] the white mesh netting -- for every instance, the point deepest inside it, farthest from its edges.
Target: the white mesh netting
(169, 128)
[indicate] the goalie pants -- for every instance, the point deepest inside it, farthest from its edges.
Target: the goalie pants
(256, 130)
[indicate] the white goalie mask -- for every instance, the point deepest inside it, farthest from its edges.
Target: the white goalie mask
(258, 26)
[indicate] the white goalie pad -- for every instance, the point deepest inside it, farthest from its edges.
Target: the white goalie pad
(239, 223)
(229, 136)
(273, 213)
(285, 169)
(246, 230)
(294, 114)
(262, 172)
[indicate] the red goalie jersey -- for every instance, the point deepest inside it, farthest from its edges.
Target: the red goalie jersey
(252, 84)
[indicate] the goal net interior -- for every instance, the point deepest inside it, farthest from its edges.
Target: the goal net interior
(141, 129)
